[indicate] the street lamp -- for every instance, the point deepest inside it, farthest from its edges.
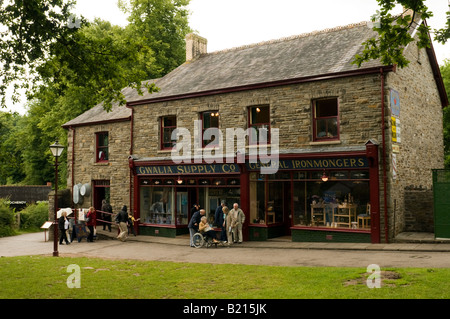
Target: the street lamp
(56, 149)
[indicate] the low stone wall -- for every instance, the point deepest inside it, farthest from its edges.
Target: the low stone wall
(419, 216)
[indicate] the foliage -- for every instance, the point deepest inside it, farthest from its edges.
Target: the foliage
(77, 68)
(34, 216)
(394, 32)
(6, 218)
(445, 72)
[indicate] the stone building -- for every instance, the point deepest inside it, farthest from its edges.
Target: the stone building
(309, 145)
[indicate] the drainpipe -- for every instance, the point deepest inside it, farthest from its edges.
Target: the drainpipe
(73, 162)
(383, 136)
(131, 153)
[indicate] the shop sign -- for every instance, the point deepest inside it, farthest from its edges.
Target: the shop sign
(188, 169)
(395, 103)
(396, 130)
(322, 163)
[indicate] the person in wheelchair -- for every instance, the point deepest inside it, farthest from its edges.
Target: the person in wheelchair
(205, 229)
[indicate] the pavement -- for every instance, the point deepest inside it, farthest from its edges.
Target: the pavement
(409, 250)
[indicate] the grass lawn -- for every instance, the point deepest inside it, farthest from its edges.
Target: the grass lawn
(47, 278)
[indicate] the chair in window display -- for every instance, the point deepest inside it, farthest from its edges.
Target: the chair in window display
(364, 219)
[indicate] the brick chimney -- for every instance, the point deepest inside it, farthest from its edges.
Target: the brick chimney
(195, 46)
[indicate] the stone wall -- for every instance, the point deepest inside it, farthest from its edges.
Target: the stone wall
(419, 209)
(421, 148)
(291, 113)
(87, 170)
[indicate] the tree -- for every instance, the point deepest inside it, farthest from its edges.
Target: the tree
(99, 62)
(394, 32)
(39, 36)
(28, 30)
(445, 72)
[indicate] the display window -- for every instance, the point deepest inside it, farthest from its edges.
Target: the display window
(170, 201)
(338, 199)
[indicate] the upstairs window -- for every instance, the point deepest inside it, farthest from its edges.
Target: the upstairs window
(102, 141)
(209, 119)
(259, 119)
(326, 124)
(168, 124)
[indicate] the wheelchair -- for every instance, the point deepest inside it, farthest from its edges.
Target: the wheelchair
(201, 240)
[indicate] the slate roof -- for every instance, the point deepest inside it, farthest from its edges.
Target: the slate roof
(323, 52)
(98, 115)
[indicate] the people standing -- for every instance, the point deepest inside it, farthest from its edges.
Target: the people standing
(238, 219)
(227, 224)
(91, 223)
(106, 214)
(219, 219)
(193, 224)
(63, 225)
(122, 220)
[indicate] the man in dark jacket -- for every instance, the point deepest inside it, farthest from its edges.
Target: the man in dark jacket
(106, 214)
(218, 220)
(122, 220)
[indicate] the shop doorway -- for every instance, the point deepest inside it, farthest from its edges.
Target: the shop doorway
(101, 192)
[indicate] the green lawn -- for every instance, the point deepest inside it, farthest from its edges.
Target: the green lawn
(46, 278)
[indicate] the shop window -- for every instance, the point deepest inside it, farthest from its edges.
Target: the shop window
(210, 120)
(325, 122)
(335, 203)
(259, 119)
(102, 154)
(168, 124)
(157, 205)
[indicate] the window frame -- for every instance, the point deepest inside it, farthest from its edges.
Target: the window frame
(316, 118)
(202, 118)
(99, 148)
(250, 124)
(161, 129)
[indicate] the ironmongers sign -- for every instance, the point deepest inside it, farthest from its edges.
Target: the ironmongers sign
(322, 163)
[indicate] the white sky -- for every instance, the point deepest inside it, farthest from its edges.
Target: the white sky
(231, 23)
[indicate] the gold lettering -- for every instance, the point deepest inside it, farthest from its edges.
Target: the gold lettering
(361, 162)
(352, 162)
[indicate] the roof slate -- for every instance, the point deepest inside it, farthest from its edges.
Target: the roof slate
(317, 53)
(311, 54)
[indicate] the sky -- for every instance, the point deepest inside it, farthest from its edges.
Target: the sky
(232, 23)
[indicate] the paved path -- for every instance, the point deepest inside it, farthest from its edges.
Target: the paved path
(273, 252)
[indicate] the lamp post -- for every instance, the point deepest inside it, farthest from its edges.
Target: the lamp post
(56, 149)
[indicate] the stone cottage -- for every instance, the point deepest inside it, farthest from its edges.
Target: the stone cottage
(306, 143)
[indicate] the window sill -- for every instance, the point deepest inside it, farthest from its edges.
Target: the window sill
(103, 163)
(165, 151)
(333, 142)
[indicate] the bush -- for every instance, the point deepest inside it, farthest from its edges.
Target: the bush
(33, 216)
(6, 218)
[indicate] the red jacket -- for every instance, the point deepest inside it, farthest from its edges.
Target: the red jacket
(92, 218)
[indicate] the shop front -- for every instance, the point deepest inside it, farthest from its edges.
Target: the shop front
(166, 193)
(311, 197)
(315, 197)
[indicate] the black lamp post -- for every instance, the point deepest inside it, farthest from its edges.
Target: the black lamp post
(56, 149)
